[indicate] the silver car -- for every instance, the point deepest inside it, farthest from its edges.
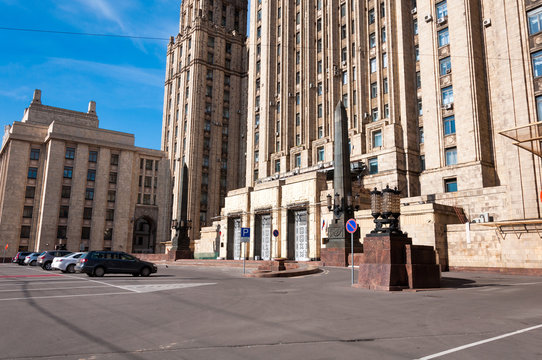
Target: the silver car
(32, 259)
(66, 263)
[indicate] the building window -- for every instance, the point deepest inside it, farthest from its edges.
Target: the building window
(371, 16)
(449, 125)
(447, 95)
(344, 54)
(89, 194)
(92, 156)
(383, 35)
(320, 132)
(420, 107)
(148, 181)
(64, 210)
(87, 213)
(68, 171)
(442, 10)
(298, 160)
(110, 215)
(372, 63)
(108, 234)
(25, 232)
(112, 177)
(535, 20)
(377, 138)
(415, 26)
(91, 175)
(34, 154)
(384, 60)
(445, 66)
(146, 199)
(298, 38)
(27, 211)
(61, 232)
(70, 153)
(30, 192)
(277, 166)
(417, 53)
(450, 185)
(319, 66)
(443, 38)
(418, 80)
(298, 139)
(345, 100)
(385, 85)
(374, 114)
(320, 154)
(320, 110)
(422, 162)
(372, 40)
(114, 159)
(343, 10)
(66, 191)
(386, 111)
(297, 98)
(32, 173)
(539, 108)
(345, 77)
(85, 233)
(373, 166)
(111, 195)
(421, 135)
(451, 156)
(537, 63)
(320, 89)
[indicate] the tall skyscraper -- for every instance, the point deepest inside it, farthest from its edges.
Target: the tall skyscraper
(428, 87)
(204, 121)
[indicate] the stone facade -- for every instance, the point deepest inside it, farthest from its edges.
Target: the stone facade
(63, 180)
(428, 86)
(204, 122)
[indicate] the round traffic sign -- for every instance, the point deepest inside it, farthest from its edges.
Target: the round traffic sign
(351, 226)
(275, 233)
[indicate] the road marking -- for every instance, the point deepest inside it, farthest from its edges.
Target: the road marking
(29, 276)
(479, 343)
(160, 287)
(65, 296)
(63, 288)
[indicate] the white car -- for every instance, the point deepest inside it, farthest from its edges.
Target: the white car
(66, 263)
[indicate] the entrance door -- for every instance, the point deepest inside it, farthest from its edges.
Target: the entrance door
(237, 239)
(266, 237)
(301, 238)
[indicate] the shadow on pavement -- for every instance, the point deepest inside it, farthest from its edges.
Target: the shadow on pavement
(459, 283)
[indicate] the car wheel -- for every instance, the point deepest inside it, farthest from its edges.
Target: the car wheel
(135, 274)
(99, 271)
(71, 268)
(145, 272)
(47, 266)
(64, 271)
(33, 263)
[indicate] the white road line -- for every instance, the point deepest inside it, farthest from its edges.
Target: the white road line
(66, 296)
(479, 343)
(64, 288)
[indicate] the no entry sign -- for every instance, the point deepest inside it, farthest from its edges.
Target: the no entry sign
(351, 226)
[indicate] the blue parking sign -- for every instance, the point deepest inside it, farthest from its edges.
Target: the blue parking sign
(245, 232)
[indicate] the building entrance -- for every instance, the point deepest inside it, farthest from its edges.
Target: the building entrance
(234, 239)
(262, 239)
(298, 240)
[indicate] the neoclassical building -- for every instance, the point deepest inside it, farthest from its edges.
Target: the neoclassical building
(65, 181)
(430, 88)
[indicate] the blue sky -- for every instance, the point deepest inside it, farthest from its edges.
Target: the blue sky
(124, 76)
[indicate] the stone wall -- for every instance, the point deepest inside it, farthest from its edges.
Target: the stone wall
(486, 248)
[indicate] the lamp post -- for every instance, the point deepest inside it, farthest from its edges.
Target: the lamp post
(386, 209)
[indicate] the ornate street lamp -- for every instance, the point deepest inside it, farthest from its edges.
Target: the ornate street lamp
(386, 209)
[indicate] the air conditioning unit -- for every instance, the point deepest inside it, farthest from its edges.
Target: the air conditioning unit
(487, 22)
(449, 106)
(238, 111)
(271, 103)
(257, 108)
(311, 85)
(291, 94)
(441, 20)
(414, 11)
(448, 71)
(428, 18)
(277, 133)
(366, 115)
(343, 63)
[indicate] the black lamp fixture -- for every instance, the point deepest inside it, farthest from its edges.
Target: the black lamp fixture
(386, 209)
(336, 206)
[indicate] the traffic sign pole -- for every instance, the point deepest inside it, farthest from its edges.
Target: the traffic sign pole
(351, 227)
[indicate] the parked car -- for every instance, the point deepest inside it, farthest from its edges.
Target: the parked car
(66, 263)
(19, 258)
(46, 258)
(32, 259)
(98, 263)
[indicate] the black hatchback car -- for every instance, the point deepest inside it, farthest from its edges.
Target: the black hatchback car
(98, 263)
(19, 258)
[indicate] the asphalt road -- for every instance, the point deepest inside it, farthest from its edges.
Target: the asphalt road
(215, 313)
